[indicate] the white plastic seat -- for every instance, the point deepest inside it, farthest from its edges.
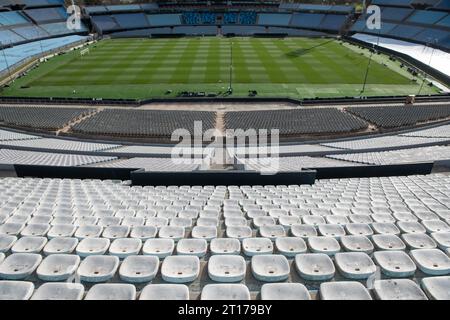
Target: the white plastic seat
(313, 220)
(109, 221)
(284, 291)
(133, 221)
(116, 232)
(257, 246)
(58, 267)
(6, 242)
(359, 229)
(158, 247)
(343, 290)
(165, 292)
(405, 217)
(431, 261)
(398, 289)
(225, 292)
(60, 246)
(29, 245)
(355, 265)
(143, 232)
(290, 246)
(436, 288)
(35, 230)
(327, 245)
(125, 247)
(239, 232)
(259, 222)
(139, 269)
(411, 227)
(172, 232)
(59, 291)
(207, 233)
(88, 231)
(331, 230)
(181, 222)
(442, 239)
(19, 266)
(158, 222)
(61, 230)
(235, 222)
(11, 228)
(112, 291)
(270, 268)
(418, 241)
(192, 247)
(2, 257)
(436, 226)
(395, 264)
(98, 268)
(333, 219)
(16, 290)
(303, 231)
(226, 268)
(388, 242)
(272, 232)
(92, 246)
(180, 269)
(385, 228)
(357, 244)
(225, 246)
(207, 222)
(288, 221)
(315, 266)
(360, 218)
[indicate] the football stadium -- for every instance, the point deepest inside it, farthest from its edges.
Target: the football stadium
(225, 150)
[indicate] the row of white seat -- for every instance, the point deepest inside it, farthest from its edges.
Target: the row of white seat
(398, 289)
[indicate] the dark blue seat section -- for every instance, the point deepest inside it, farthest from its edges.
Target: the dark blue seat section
(307, 20)
(131, 20)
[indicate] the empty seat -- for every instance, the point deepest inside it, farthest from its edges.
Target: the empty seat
(112, 291)
(202, 232)
(225, 246)
(431, 261)
(172, 232)
(359, 229)
(61, 230)
(388, 242)
(355, 265)
(35, 229)
(385, 228)
(437, 288)
(270, 268)
(123, 248)
(2, 257)
(92, 246)
(398, 289)
(225, 292)
(288, 221)
(16, 290)
(58, 267)
(313, 220)
(331, 230)
(343, 290)
(436, 226)
(19, 266)
(290, 246)
(165, 292)
(257, 246)
(143, 232)
(29, 245)
(116, 232)
(159, 247)
(6, 242)
(315, 266)
(396, 264)
(284, 291)
(88, 231)
(139, 269)
(357, 244)
(411, 227)
(11, 228)
(259, 222)
(226, 268)
(239, 232)
(418, 241)
(303, 231)
(442, 239)
(180, 269)
(98, 268)
(327, 245)
(272, 232)
(192, 247)
(60, 246)
(59, 291)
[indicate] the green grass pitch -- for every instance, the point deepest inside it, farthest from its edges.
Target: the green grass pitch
(146, 68)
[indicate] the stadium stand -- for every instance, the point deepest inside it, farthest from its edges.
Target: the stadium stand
(247, 18)
(161, 20)
(150, 164)
(143, 122)
(295, 163)
(31, 32)
(47, 14)
(131, 20)
(11, 18)
(9, 135)
(388, 204)
(40, 118)
(274, 19)
(307, 20)
(385, 117)
(295, 122)
(59, 144)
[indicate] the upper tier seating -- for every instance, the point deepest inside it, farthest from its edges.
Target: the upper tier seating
(160, 20)
(12, 18)
(307, 20)
(47, 14)
(131, 20)
(247, 17)
(274, 19)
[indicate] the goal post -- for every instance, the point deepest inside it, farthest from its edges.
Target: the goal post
(84, 52)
